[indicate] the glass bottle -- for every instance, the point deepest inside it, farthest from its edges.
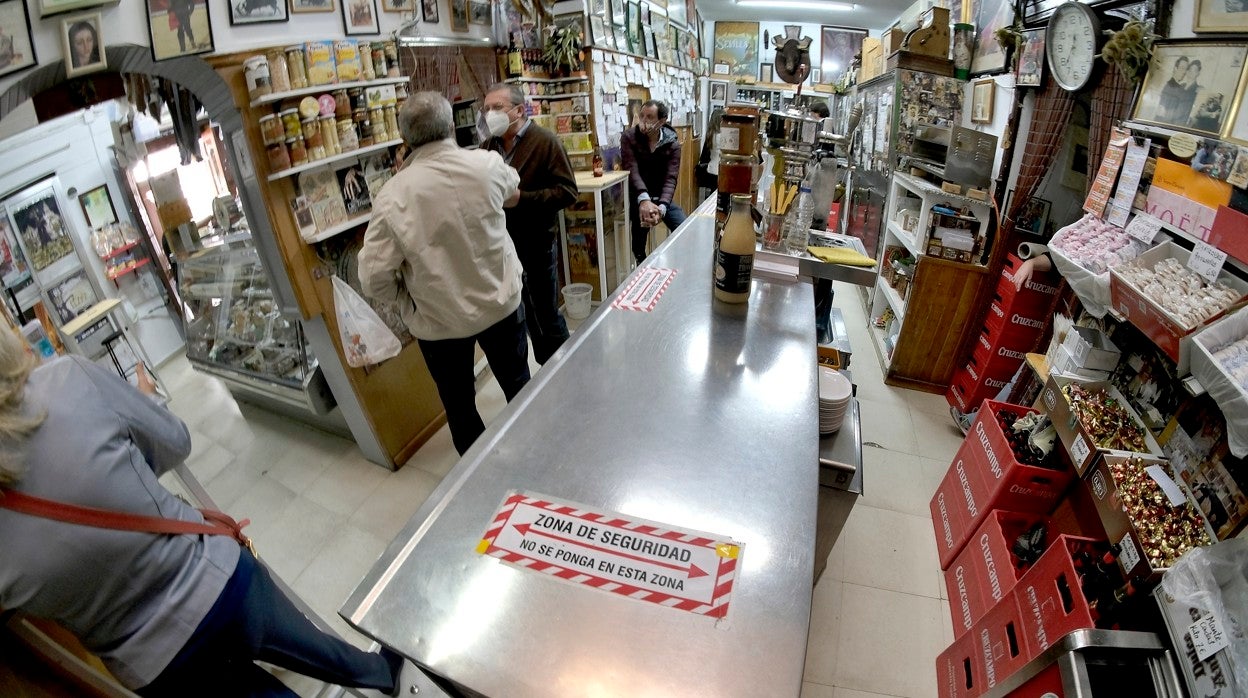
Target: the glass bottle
(597, 164)
(734, 256)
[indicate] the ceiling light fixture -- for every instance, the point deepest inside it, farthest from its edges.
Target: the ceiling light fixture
(799, 5)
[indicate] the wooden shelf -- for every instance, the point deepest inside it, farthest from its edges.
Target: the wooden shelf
(138, 264)
(568, 95)
(340, 228)
(572, 79)
(343, 157)
(321, 89)
(120, 251)
(892, 298)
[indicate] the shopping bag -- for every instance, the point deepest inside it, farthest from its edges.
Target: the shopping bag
(365, 338)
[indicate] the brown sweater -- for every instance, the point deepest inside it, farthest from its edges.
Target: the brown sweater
(547, 186)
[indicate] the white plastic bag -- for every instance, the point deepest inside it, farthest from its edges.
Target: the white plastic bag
(365, 338)
(1225, 390)
(1212, 582)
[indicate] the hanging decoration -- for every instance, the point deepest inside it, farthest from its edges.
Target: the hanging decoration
(1130, 48)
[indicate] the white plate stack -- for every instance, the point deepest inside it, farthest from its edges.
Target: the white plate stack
(835, 392)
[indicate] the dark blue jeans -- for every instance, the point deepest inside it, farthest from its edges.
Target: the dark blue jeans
(672, 219)
(253, 620)
(450, 364)
(547, 328)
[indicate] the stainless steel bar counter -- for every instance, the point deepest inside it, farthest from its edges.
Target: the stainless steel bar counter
(694, 415)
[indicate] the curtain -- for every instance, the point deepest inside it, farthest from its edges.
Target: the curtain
(1110, 101)
(456, 72)
(1044, 141)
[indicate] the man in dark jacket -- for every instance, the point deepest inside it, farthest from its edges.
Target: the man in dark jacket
(650, 151)
(547, 186)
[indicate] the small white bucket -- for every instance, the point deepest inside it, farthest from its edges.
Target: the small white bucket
(576, 300)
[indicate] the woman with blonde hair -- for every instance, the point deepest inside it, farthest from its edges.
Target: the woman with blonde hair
(169, 613)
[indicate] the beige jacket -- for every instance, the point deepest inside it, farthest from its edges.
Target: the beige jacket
(438, 235)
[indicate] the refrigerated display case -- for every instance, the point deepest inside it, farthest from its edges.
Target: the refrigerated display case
(237, 332)
(596, 237)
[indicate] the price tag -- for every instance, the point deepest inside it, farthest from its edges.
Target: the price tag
(1144, 228)
(1079, 449)
(1173, 492)
(729, 138)
(1128, 554)
(1208, 637)
(1206, 260)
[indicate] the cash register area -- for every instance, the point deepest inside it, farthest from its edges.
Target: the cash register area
(321, 515)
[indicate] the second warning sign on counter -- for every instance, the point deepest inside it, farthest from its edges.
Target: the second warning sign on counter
(686, 570)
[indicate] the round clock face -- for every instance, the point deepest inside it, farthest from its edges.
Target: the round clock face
(1071, 43)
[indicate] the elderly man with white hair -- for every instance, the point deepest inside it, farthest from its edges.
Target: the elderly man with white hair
(438, 242)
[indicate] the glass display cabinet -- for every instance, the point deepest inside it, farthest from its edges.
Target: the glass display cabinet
(236, 331)
(595, 240)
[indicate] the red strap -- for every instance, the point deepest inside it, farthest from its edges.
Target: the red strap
(216, 523)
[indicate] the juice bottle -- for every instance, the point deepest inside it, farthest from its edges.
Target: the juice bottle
(734, 257)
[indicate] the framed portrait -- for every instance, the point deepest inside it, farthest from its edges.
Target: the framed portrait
(736, 46)
(97, 206)
(1034, 216)
(13, 269)
(398, 5)
(429, 11)
(598, 7)
(719, 92)
(17, 47)
(479, 13)
(1193, 86)
(989, 16)
(616, 8)
(179, 28)
(70, 296)
(1031, 59)
(359, 17)
(983, 94)
(299, 7)
(597, 31)
(648, 47)
(837, 48)
(645, 14)
(83, 43)
(459, 15)
(37, 217)
(1222, 16)
(677, 12)
(258, 11)
(766, 72)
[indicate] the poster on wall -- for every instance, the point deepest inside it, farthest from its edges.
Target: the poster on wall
(12, 264)
(18, 50)
(736, 46)
(837, 48)
(1220, 16)
(1192, 86)
(257, 11)
(990, 15)
(41, 228)
(178, 28)
(72, 295)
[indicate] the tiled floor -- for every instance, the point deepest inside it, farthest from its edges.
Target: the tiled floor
(321, 515)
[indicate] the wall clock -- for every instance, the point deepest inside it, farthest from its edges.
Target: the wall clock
(1072, 42)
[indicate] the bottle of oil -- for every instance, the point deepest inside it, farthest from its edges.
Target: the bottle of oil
(734, 257)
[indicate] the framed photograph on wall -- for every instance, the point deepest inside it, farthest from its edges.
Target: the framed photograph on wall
(398, 6)
(1222, 16)
(48, 8)
(359, 17)
(257, 11)
(766, 72)
(837, 48)
(97, 206)
(36, 214)
(70, 296)
(719, 92)
(299, 7)
(16, 38)
(1033, 217)
(179, 28)
(989, 16)
(459, 15)
(597, 32)
(736, 46)
(983, 94)
(479, 13)
(1031, 59)
(12, 263)
(429, 11)
(1193, 86)
(83, 43)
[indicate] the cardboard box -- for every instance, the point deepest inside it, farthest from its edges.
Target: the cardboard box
(1227, 233)
(958, 674)
(1049, 598)
(1119, 528)
(1204, 679)
(1165, 331)
(1064, 363)
(1092, 349)
(999, 480)
(1079, 445)
(872, 59)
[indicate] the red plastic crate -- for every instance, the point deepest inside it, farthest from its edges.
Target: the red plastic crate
(1000, 642)
(1014, 326)
(997, 363)
(1049, 596)
(966, 392)
(965, 603)
(1039, 293)
(955, 510)
(991, 556)
(1002, 482)
(1011, 346)
(958, 674)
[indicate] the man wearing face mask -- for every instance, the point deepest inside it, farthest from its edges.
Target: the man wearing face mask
(547, 186)
(651, 154)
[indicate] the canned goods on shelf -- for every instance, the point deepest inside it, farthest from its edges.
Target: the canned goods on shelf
(256, 73)
(291, 123)
(392, 58)
(279, 75)
(296, 67)
(298, 151)
(348, 137)
(342, 104)
(377, 118)
(329, 135)
(271, 129)
(392, 122)
(279, 159)
(380, 66)
(317, 152)
(312, 134)
(366, 64)
(358, 99)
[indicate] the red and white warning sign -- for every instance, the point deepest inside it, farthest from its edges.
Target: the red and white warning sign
(645, 290)
(678, 568)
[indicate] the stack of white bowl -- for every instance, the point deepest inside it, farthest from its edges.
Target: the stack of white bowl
(835, 392)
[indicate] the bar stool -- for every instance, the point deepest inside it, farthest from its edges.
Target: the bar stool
(107, 343)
